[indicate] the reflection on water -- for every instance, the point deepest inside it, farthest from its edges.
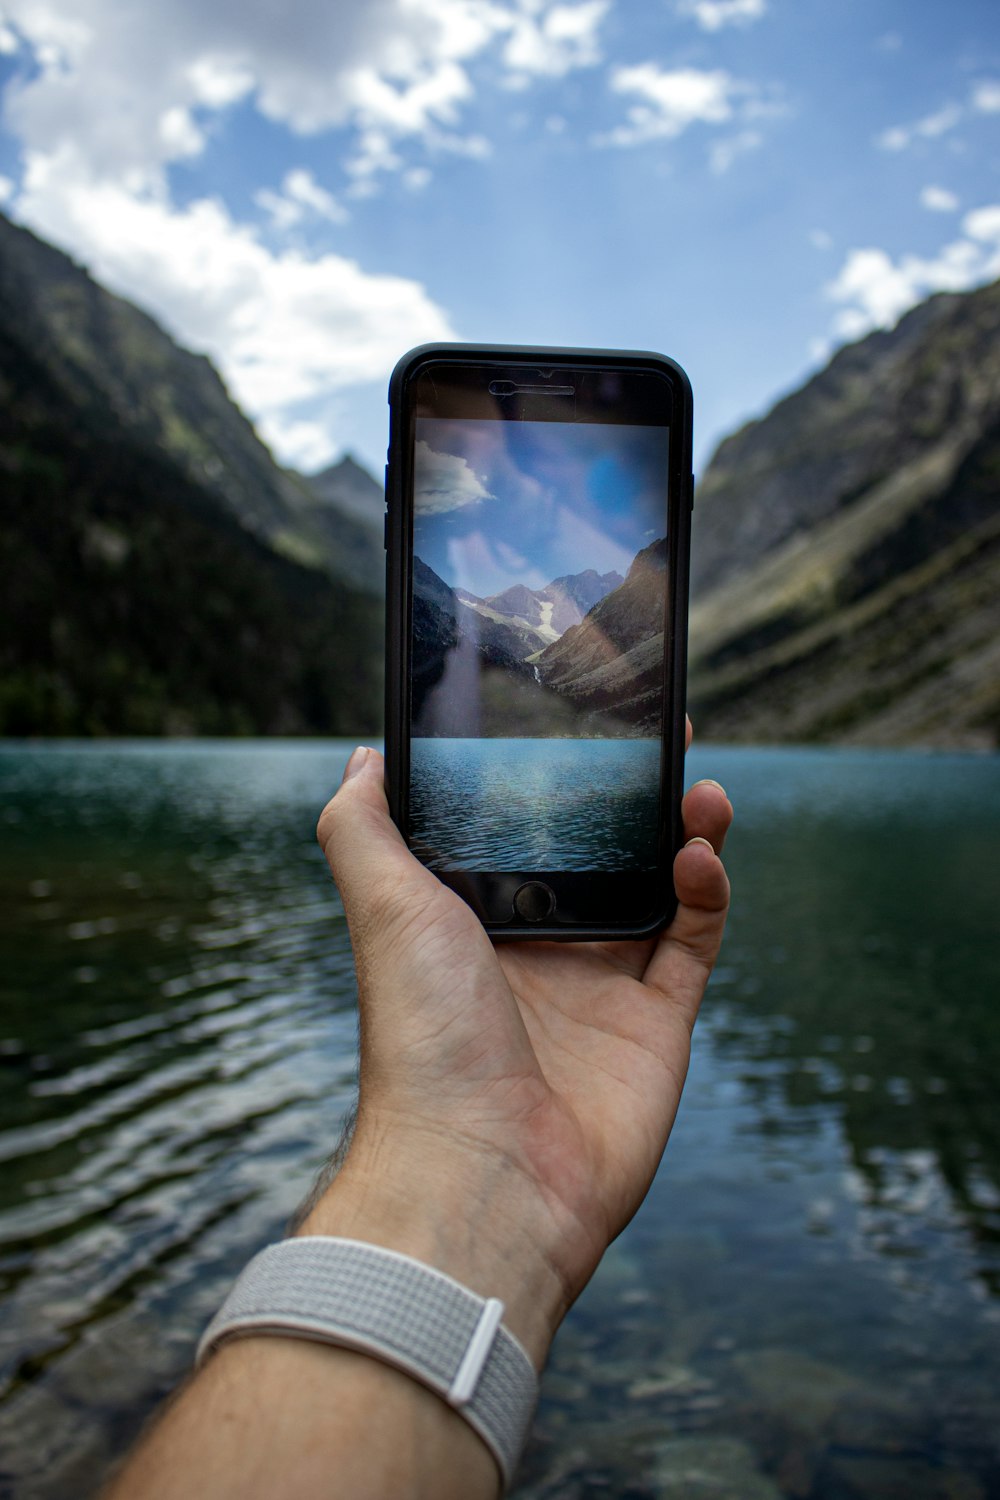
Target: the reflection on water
(806, 1307)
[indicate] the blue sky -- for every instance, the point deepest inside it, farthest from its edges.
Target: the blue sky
(499, 503)
(305, 191)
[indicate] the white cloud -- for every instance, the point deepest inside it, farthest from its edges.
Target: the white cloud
(986, 97)
(283, 328)
(9, 43)
(218, 82)
(983, 224)
(723, 153)
(930, 127)
(876, 290)
(444, 481)
(136, 87)
(896, 138)
(821, 239)
(417, 178)
(713, 15)
(983, 98)
(551, 41)
(879, 291)
(939, 123)
(303, 445)
(112, 95)
(179, 134)
(300, 196)
(6, 189)
(938, 199)
(374, 153)
(58, 35)
(476, 147)
(109, 75)
(670, 101)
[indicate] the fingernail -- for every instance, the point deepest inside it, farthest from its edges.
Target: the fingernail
(707, 781)
(357, 760)
(699, 841)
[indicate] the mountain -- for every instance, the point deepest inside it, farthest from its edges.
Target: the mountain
(101, 347)
(350, 518)
(477, 667)
(546, 611)
(517, 602)
(583, 590)
(847, 547)
(610, 665)
(157, 577)
(350, 489)
(453, 647)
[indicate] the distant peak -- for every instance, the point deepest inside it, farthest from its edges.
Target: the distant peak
(347, 468)
(349, 462)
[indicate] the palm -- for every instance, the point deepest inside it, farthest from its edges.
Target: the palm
(559, 1055)
(614, 1054)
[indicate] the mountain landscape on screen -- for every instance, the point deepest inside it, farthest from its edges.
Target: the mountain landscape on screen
(535, 663)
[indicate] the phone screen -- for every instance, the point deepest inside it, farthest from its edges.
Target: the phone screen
(539, 577)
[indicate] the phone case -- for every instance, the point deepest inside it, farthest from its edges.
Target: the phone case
(399, 584)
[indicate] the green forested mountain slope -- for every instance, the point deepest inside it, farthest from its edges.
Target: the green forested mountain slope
(98, 346)
(148, 585)
(847, 552)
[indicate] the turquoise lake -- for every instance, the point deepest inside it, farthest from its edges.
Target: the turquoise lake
(808, 1304)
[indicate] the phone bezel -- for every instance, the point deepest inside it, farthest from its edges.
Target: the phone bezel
(591, 905)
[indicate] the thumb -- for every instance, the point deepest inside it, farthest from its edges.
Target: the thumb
(411, 936)
(367, 855)
(685, 954)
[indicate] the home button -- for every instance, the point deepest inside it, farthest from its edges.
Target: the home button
(534, 901)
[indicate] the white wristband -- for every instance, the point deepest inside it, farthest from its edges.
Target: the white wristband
(363, 1297)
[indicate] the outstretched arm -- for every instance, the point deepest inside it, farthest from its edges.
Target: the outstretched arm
(513, 1107)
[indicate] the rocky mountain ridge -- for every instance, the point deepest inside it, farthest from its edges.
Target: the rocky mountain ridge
(847, 547)
(559, 605)
(545, 612)
(611, 662)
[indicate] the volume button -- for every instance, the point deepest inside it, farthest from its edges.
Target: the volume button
(385, 531)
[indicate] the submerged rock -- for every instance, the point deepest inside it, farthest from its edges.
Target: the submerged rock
(803, 1392)
(709, 1468)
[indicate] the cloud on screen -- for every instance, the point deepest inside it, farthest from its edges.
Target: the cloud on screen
(443, 482)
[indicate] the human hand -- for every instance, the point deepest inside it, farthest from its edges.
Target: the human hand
(514, 1102)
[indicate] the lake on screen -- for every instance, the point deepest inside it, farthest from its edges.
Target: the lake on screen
(807, 1305)
(535, 804)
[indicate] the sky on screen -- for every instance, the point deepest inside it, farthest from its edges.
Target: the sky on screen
(305, 191)
(499, 503)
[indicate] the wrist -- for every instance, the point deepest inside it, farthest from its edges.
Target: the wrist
(453, 1207)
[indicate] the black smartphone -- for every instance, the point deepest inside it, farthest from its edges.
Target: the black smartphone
(537, 535)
